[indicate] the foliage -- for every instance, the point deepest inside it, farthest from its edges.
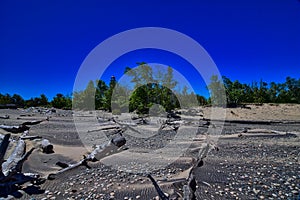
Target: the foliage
(152, 88)
(62, 102)
(157, 88)
(287, 92)
(101, 89)
(217, 91)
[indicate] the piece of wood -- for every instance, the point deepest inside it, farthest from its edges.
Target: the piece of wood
(30, 137)
(11, 176)
(14, 158)
(159, 191)
(62, 165)
(46, 146)
(3, 147)
(98, 153)
(35, 122)
(4, 117)
(14, 129)
(19, 165)
(107, 149)
(269, 122)
(105, 128)
(83, 162)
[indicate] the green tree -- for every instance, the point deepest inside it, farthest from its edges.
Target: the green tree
(89, 96)
(18, 100)
(108, 93)
(61, 102)
(217, 92)
(101, 88)
(152, 88)
(201, 100)
(43, 101)
(5, 99)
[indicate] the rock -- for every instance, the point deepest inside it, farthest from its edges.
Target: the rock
(295, 192)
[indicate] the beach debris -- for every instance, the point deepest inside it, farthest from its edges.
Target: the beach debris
(189, 187)
(11, 177)
(101, 151)
(22, 127)
(105, 128)
(170, 123)
(83, 162)
(4, 117)
(62, 164)
(244, 106)
(159, 191)
(15, 129)
(30, 137)
(35, 122)
(46, 146)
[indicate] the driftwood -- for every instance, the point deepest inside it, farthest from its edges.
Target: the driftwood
(32, 137)
(26, 115)
(13, 159)
(11, 176)
(99, 152)
(105, 128)
(159, 191)
(35, 122)
(189, 188)
(62, 165)
(15, 129)
(46, 146)
(4, 117)
(69, 167)
(109, 148)
(270, 122)
(3, 148)
(173, 115)
(170, 124)
(21, 128)
(126, 125)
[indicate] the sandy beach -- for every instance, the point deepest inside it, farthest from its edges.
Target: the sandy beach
(257, 155)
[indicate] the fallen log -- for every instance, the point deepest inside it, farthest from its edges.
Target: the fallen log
(26, 115)
(4, 117)
(33, 137)
(269, 122)
(109, 148)
(3, 148)
(159, 191)
(126, 126)
(169, 124)
(62, 165)
(15, 129)
(46, 146)
(19, 165)
(105, 128)
(11, 176)
(100, 152)
(35, 122)
(188, 190)
(14, 158)
(83, 162)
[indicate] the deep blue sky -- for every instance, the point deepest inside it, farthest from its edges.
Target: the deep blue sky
(43, 43)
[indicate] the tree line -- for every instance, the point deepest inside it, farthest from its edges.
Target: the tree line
(149, 88)
(59, 101)
(237, 93)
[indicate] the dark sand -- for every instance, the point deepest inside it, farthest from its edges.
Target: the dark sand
(262, 163)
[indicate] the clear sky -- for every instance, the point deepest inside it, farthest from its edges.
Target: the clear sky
(43, 43)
